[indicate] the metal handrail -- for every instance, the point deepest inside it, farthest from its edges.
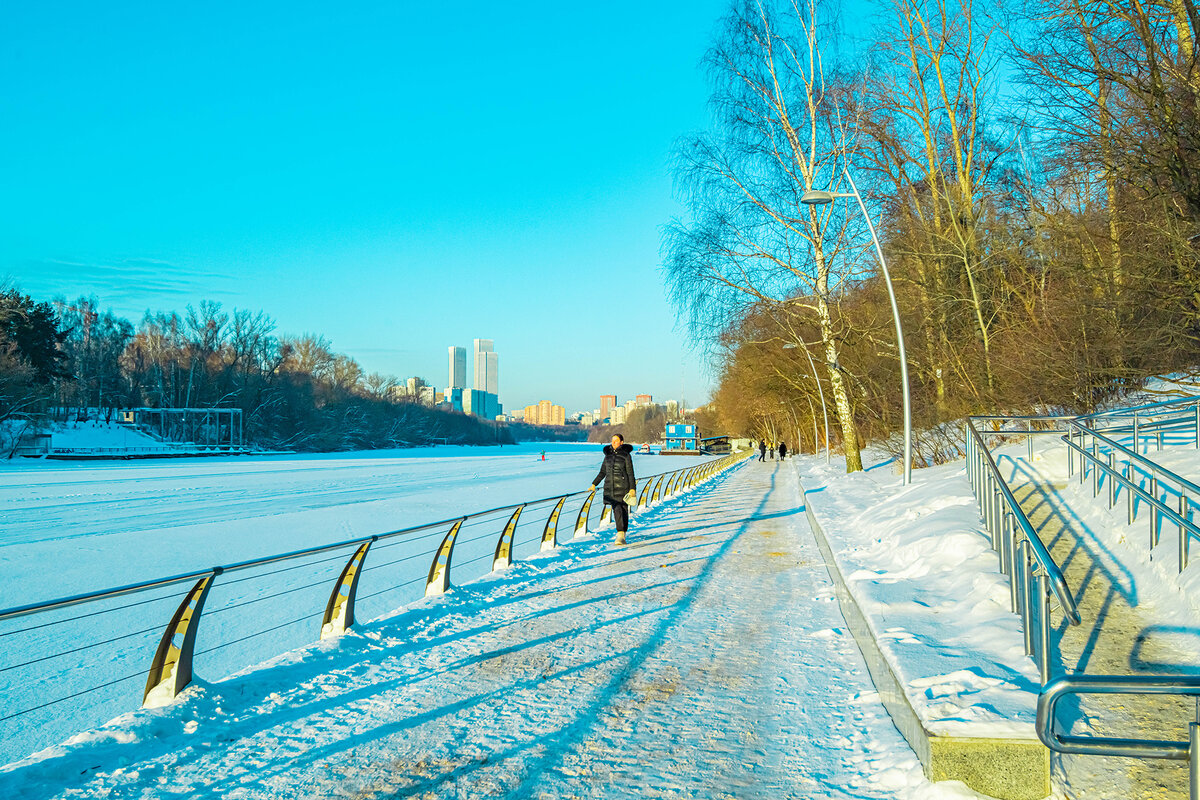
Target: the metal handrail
(1023, 556)
(1134, 461)
(1130, 410)
(1058, 581)
(1060, 688)
(170, 669)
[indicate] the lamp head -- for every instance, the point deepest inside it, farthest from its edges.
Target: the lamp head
(815, 197)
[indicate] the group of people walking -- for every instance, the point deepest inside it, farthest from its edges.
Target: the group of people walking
(762, 450)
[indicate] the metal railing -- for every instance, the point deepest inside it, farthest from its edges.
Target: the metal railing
(1033, 574)
(1141, 479)
(1187, 686)
(106, 635)
(1151, 421)
(1095, 439)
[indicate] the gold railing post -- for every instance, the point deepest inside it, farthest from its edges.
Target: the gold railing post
(171, 669)
(439, 571)
(550, 532)
(657, 487)
(339, 611)
(503, 555)
(582, 520)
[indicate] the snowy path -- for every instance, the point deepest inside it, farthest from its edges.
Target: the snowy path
(706, 659)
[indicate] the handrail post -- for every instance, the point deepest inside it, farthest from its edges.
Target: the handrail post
(1137, 448)
(171, 669)
(1010, 544)
(644, 496)
(339, 610)
(581, 521)
(1029, 440)
(1111, 479)
(1183, 532)
(1043, 588)
(502, 557)
(657, 488)
(1155, 514)
(1131, 512)
(1026, 571)
(438, 581)
(1194, 759)
(1070, 453)
(550, 532)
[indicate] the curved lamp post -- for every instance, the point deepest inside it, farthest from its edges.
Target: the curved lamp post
(824, 409)
(819, 198)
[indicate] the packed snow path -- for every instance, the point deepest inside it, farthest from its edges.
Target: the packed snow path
(707, 658)
(1121, 634)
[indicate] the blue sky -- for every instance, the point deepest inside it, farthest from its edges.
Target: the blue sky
(396, 176)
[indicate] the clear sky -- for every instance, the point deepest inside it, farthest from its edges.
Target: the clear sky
(396, 176)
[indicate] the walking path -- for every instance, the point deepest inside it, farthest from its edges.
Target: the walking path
(706, 659)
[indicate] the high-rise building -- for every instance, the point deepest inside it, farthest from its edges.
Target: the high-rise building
(481, 404)
(607, 403)
(545, 408)
(558, 416)
(644, 400)
(531, 415)
(458, 368)
(487, 367)
(617, 415)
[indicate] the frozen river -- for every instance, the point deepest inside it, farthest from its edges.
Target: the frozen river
(105, 524)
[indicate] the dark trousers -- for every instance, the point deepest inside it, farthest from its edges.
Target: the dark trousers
(620, 512)
(762, 455)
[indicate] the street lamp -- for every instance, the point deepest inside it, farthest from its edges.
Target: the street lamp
(824, 410)
(819, 198)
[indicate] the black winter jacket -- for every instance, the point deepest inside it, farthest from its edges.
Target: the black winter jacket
(617, 473)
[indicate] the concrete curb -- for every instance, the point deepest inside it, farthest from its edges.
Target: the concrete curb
(1006, 769)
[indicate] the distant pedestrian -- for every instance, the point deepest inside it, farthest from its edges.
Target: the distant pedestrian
(782, 451)
(772, 452)
(620, 484)
(762, 449)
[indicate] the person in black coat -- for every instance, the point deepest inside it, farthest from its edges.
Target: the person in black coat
(762, 449)
(782, 451)
(619, 480)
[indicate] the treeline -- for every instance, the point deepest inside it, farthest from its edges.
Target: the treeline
(643, 425)
(295, 392)
(1033, 171)
(524, 432)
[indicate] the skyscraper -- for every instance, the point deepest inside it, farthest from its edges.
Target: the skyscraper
(607, 403)
(487, 367)
(458, 368)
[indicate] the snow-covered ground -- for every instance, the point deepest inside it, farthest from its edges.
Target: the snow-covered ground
(922, 570)
(707, 659)
(71, 528)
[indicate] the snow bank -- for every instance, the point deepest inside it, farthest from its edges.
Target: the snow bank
(921, 569)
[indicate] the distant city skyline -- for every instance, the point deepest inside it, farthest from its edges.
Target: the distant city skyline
(320, 167)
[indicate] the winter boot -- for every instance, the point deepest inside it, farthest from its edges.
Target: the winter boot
(620, 537)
